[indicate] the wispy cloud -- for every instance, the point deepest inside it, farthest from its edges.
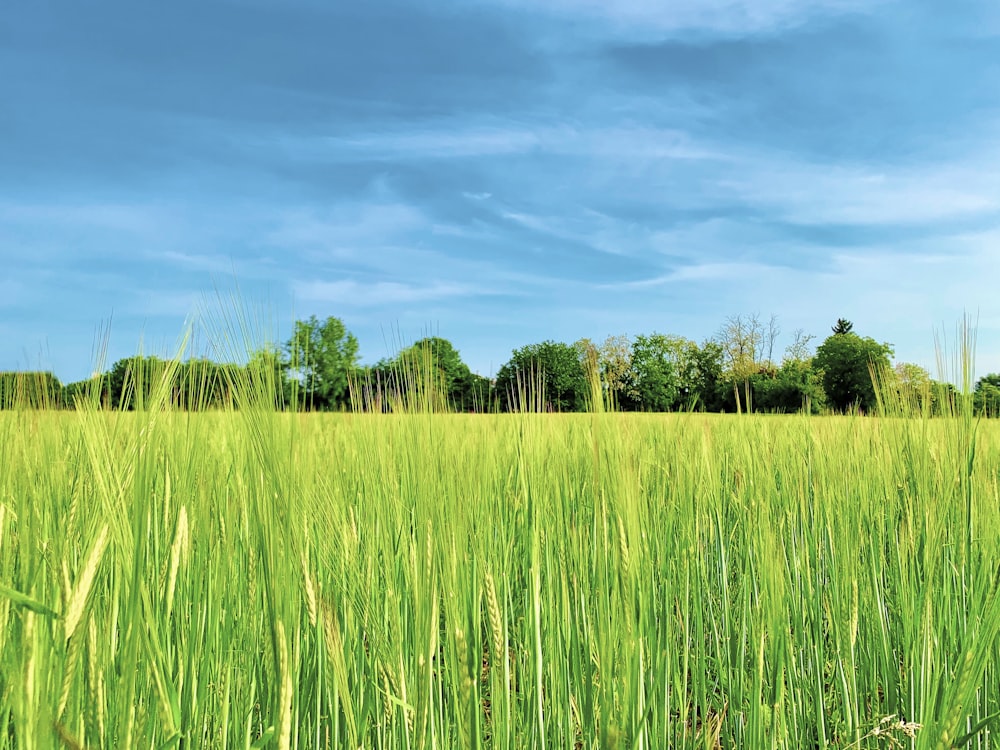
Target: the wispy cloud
(346, 230)
(715, 16)
(704, 272)
(460, 139)
(210, 263)
(440, 143)
(350, 293)
(859, 194)
(515, 170)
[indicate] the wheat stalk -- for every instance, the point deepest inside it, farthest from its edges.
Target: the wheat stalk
(82, 590)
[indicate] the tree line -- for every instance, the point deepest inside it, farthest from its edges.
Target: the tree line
(736, 370)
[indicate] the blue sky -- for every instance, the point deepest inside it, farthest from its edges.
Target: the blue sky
(497, 172)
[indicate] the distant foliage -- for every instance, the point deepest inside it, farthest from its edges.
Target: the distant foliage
(30, 390)
(320, 358)
(747, 343)
(543, 377)
(987, 395)
(134, 383)
(317, 369)
(655, 375)
(846, 361)
(427, 376)
(913, 388)
(795, 386)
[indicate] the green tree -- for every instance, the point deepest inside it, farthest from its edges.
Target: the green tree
(843, 326)
(130, 383)
(795, 386)
(846, 361)
(479, 396)
(266, 375)
(433, 370)
(913, 386)
(747, 346)
(31, 390)
(320, 358)
(799, 349)
(81, 389)
(198, 384)
(611, 360)
(690, 371)
(118, 380)
(708, 385)
(541, 377)
(987, 395)
(590, 356)
(614, 358)
(378, 387)
(654, 374)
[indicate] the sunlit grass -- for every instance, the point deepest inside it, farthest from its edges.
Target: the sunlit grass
(426, 580)
(248, 577)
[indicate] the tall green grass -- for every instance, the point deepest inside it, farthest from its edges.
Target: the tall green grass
(251, 578)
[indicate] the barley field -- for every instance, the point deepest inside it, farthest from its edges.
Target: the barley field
(257, 579)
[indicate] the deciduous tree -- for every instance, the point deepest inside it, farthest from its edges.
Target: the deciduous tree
(433, 370)
(653, 371)
(846, 361)
(320, 359)
(745, 340)
(543, 376)
(987, 395)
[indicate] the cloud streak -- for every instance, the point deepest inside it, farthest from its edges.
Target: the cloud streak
(505, 171)
(350, 294)
(729, 17)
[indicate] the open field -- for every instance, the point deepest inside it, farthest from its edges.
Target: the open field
(260, 579)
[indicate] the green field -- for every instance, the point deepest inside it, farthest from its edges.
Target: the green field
(256, 579)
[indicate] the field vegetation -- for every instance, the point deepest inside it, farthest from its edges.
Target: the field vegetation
(246, 577)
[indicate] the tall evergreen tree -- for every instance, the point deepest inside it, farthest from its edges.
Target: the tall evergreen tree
(843, 326)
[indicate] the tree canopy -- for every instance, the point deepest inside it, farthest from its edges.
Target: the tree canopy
(543, 377)
(843, 326)
(847, 362)
(428, 375)
(987, 395)
(320, 359)
(33, 390)
(317, 368)
(655, 376)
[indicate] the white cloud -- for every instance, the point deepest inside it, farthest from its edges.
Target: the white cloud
(589, 228)
(651, 17)
(348, 229)
(688, 171)
(361, 294)
(196, 261)
(707, 272)
(703, 174)
(868, 195)
(902, 296)
(458, 139)
(451, 143)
